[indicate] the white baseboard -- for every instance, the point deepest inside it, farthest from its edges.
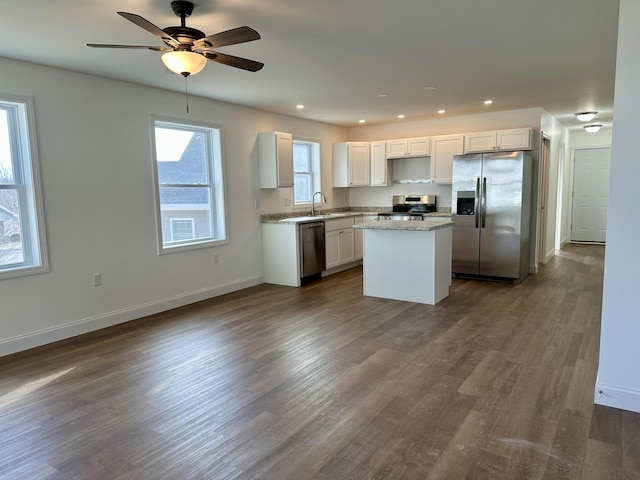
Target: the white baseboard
(85, 325)
(617, 397)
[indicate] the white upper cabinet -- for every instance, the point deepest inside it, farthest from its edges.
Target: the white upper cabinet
(498, 140)
(443, 148)
(351, 164)
(381, 174)
(514, 139)
(408, 147)
(275, 151)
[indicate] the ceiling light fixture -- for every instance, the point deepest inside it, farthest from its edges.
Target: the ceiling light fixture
(299, 106)
(488, 102)
(585, 116)
(441, 111)
(593, 128)
(362, 120)
(400, 116)
(183, 62)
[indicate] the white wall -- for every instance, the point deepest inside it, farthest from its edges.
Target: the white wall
(94, 146)
(618, 377)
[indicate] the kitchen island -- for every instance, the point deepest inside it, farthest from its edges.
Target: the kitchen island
(404, 260)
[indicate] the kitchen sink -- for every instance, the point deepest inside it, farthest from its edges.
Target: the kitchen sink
(325, 215)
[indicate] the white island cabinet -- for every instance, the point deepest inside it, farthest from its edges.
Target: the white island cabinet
(409, 261)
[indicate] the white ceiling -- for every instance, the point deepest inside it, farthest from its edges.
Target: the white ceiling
(336, 56)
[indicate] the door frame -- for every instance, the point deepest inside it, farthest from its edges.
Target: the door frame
(543, 198)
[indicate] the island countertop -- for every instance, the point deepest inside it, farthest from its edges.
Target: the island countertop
(424, 225)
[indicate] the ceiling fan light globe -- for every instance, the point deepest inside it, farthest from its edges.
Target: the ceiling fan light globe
(183, 62)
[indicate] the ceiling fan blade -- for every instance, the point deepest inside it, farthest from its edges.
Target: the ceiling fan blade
(151, 28)
(228, 37)
(144, 47)
(238, 62)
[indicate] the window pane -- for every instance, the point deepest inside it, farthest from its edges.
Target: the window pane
(301, 157)
(182, 156)
(302, 190)
(6, 170)
(11, 247)
(192, 204)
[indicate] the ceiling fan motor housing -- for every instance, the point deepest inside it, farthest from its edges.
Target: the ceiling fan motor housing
(181, 8)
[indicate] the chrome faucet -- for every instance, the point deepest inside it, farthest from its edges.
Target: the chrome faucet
(313, 202)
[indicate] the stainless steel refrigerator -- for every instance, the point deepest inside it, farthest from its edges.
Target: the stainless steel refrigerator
(491, 208)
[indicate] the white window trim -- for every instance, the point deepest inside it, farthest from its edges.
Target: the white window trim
(221, 193)
(41, 263)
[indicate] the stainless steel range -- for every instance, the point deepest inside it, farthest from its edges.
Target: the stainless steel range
(410, 207)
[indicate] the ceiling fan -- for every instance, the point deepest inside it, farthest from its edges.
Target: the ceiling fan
(188, 49)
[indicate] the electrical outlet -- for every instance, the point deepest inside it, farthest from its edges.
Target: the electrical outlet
(257, 203)
(97, 279)
(215, 258)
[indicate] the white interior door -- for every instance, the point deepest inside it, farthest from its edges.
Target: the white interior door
(590, 195)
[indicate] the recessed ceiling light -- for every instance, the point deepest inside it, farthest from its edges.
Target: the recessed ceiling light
(488, 102)
(585, 116)
(442, 110)
(383, 95)
(362, 120)
(400, 116)
(300, 106)
(430, 88)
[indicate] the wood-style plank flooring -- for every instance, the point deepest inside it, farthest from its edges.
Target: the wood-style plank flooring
(319, 382)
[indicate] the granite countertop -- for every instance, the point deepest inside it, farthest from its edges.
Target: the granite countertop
(425, 225)
(292, 218)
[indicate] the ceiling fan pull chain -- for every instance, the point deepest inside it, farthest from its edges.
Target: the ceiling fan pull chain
(186, 93)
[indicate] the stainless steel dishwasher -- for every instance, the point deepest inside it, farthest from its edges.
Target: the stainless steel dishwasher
(312, 254)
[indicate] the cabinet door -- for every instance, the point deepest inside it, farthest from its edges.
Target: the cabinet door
(514, 139)
(284, 159)
(479, 142)
(332, 248)
(275, 150)
(443, 149)
(347, 251)
(380, 167)
(418, 146)
(359, 164)
(396, 148)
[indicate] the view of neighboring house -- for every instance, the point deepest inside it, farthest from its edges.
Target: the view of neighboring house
(185, 220)
(9, 226)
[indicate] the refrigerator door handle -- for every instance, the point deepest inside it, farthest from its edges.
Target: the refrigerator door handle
(476, 212)
(484, 200)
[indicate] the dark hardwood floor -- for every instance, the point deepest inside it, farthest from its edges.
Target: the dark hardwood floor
(319, 382)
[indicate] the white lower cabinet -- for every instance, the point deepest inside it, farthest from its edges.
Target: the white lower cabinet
(339, 242)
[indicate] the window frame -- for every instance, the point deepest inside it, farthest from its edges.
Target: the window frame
(314, 148)
(26, 170)
(216, 185)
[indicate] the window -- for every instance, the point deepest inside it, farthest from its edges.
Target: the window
(22, 239)
(182, 229)
(306, 169)
(189, 185)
